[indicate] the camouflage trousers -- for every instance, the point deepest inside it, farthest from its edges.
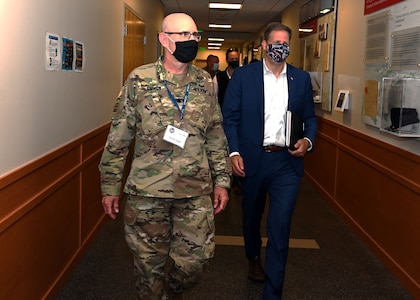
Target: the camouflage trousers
(178, 233)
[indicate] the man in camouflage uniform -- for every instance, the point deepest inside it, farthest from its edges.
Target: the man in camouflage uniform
(180, 158)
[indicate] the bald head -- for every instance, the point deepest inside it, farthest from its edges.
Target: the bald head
(178, 22)
(180, 38)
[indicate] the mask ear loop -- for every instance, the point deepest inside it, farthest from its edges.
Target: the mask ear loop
(167, 48)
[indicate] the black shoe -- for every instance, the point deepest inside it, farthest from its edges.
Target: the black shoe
(256, 271)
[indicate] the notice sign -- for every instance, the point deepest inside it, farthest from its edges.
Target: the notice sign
(375, 5)
(52, 52)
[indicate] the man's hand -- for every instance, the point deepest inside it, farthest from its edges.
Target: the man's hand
(221, 199)
(302, 146)
(237, 165)
(111, 206)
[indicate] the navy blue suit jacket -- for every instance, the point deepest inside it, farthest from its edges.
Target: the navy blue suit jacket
(243, 112)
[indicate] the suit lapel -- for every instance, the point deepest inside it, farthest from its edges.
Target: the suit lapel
(259, 86)
(291, 85)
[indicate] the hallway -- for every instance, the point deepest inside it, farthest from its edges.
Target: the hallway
(326, 261)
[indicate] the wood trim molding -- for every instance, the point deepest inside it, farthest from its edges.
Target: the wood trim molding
(375, 187)
(48, 202)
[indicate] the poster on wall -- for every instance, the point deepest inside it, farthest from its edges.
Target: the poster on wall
(67, 55)
(79, 56)
(377, 38)
(405, 49)
(370, 104)
(323, 31)
(52, 52)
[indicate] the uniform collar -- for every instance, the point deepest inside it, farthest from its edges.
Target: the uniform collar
(164, 75)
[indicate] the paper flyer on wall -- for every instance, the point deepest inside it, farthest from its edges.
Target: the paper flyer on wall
(67, 54)
(79, 56)
(52, 52)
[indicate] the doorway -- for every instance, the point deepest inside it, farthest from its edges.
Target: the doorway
(134, 34)
(134, 30)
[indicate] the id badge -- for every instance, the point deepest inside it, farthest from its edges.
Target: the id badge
(175, 136)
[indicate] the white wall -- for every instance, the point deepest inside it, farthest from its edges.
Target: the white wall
(43, 110)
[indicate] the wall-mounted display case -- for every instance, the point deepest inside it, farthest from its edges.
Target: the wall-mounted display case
(401, 106)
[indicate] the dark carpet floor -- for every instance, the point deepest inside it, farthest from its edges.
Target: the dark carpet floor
(342, 268)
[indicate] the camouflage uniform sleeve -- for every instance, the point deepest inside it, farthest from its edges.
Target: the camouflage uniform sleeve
(117, 145)
(217, 152)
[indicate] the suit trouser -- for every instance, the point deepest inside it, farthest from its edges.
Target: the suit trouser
(277, 177)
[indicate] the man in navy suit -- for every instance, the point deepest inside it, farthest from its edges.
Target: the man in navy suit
(254, 113)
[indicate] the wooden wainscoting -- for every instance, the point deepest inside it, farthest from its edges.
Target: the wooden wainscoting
(50, 211)
(376, 188)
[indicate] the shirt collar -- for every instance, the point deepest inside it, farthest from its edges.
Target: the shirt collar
(267, 71)
(227, 73)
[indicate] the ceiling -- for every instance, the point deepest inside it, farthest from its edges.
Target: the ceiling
(246, 22)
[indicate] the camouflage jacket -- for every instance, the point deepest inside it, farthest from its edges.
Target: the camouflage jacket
(161, 169)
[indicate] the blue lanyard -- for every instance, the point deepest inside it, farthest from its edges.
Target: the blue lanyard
(187, 91)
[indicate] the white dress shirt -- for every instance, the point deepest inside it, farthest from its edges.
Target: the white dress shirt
(276, 97)
(216, 83)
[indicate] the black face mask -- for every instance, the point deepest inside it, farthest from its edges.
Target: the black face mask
(186, 51)
(234, 64)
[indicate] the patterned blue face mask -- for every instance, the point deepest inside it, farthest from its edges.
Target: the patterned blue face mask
(278, 52)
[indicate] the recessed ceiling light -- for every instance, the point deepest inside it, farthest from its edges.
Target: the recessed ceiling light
(214, 44)
(225, 5)
(213, 48)
(305, 30)
(220, 26)
(215, 39)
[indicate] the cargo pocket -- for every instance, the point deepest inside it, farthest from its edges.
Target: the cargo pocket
(130, 214)
(210, 243)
